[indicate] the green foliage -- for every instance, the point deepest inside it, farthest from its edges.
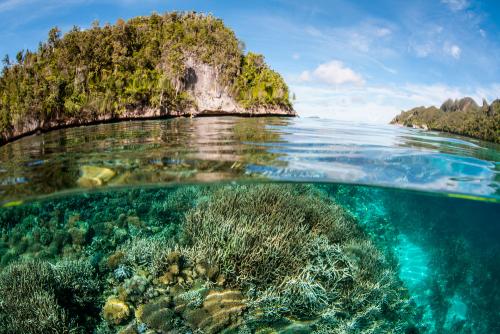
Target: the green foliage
(135, 64)
(463, 117)
(257, 85)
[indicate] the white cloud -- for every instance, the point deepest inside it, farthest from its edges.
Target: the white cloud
(423, 42)
(305, 76)
(12, 4)
(422, 50)
(333, 73)
(482, 33)
(452, 50)
(296, 56)
(382, 32)
(456, 5)
(379, 104)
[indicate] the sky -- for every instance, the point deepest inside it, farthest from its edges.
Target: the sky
(362, 60)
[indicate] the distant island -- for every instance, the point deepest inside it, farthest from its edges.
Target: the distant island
(175, 64)
(463, 117)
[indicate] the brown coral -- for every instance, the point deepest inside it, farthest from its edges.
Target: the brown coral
(220, 310)
(115, 311)
(157, 315)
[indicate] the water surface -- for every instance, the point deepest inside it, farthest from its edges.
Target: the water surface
(224, 148)
(249, 225)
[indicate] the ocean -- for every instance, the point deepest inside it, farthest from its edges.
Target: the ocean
(249, 225)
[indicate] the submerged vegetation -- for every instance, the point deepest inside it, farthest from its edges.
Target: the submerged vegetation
(463, 117)
(110, 71)
(232, 259)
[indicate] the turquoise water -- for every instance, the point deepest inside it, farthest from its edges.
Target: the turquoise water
(249, 225)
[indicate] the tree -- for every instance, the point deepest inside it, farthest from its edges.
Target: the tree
(6, 60)
(54, 36)
(20, 56)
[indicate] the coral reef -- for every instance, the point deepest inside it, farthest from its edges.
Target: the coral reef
(158, 315)
(115, 310)
(269, 258)
(300, 253)
(36, 297)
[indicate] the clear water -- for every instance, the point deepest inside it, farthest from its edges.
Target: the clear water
(249, 225)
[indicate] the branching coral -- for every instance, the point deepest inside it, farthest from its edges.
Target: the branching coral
(256, 234)
(36, 297)
(27, 300)
(300, 253)
(269, 257)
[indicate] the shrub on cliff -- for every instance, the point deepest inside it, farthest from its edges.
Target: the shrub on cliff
(259, 85)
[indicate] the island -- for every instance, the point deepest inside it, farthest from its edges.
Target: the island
(463, 117)
(175, 64)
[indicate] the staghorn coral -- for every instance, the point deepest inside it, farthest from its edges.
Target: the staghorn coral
(122, 272)
(37, 297)
(299, 255)
(256, 234)
(27, 300)
(77, 284)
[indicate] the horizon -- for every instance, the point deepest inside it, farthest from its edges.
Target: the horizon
(358, 62)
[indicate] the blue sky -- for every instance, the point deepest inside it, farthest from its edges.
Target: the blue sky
(350, 60)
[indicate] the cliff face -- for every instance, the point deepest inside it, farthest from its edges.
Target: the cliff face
(149, 67)
(463, 117)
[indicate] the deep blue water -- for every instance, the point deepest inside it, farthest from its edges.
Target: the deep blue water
(249, 225)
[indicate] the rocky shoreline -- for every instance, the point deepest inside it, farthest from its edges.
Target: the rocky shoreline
(34, 127)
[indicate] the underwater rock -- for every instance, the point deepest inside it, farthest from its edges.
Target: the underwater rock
(93, 176)
(115, 311)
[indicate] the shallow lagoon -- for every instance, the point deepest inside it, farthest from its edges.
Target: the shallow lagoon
(394, 230)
